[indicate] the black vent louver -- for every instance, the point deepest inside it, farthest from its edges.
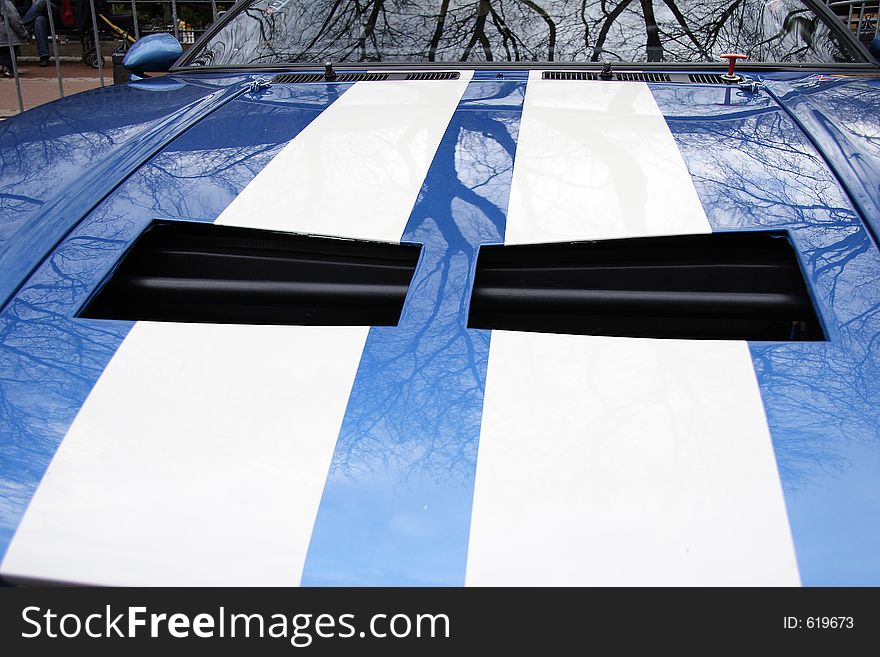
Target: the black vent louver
(301, 78)
(570, 75)
(623, 76)
(197, 272)
(620, 76)
(728, 286)
(637, 76)
(363, 76)
(296, 78)
(434, 75)
(705, 78)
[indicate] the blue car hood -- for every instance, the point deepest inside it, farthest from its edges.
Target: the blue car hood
(429, 452)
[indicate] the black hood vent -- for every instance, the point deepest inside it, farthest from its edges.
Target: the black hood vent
(180, 271)
(363, 76)
(723, 286)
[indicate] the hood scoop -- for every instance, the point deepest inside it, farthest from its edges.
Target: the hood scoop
(363, 76)
(721, 286)
(179, 271)
(635, 76)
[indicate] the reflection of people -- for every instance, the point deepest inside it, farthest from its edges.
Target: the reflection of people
(16, 35)
(37, 19)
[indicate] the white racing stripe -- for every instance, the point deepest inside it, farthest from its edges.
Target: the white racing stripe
(356, 170)
(200, 456)
(597, 161)
(618, 461)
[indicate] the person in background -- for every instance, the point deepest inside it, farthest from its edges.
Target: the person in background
(36, 19)
(15, 35)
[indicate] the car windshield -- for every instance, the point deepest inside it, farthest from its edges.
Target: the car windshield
(532, 31)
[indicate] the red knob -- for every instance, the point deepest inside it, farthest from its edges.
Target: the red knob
(731, 61)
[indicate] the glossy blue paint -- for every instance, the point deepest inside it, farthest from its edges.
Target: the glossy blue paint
(153, 53)
(754, 169)
(839, 114)
(397, 503)
(61, 159)
(165, 83)
(49, 358)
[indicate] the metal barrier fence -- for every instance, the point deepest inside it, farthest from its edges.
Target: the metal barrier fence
(859, 15)
(188, 35)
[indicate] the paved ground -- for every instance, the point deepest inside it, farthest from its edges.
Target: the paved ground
(39, 85)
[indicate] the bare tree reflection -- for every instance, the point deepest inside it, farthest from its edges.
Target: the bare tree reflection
(416, 405)
(522, 30)
(756, 170)
(49, 358)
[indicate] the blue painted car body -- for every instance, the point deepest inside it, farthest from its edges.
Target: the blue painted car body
(81, 178)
